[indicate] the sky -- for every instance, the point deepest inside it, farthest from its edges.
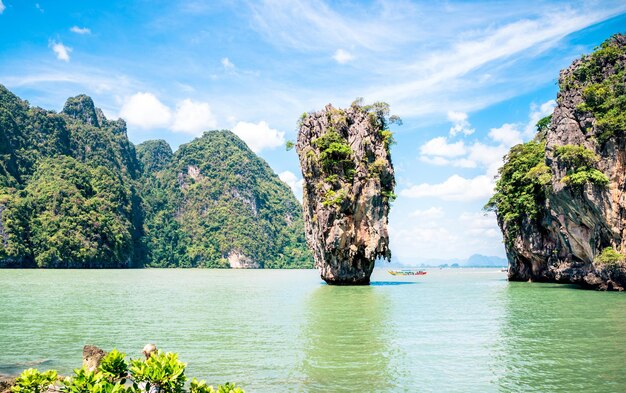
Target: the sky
(469, 80)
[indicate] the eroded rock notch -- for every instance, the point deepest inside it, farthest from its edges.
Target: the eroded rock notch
(348, 185)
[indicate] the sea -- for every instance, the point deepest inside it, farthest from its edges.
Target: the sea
(451, 330)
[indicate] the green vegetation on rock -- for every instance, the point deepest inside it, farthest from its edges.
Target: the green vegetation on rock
(522, 184)
(579, 162)
(601, 76)
(609, 257)
(335, 154)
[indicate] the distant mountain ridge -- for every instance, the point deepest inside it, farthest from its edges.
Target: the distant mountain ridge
(76, 193)
(476, 260)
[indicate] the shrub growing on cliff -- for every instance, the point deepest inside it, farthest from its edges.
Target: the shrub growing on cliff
(521, 186)
(334, 151)
(580, 161)
(609, 256)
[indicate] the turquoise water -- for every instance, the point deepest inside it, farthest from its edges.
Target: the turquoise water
(285, 331)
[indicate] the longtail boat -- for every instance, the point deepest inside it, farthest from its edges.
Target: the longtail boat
(406, 272)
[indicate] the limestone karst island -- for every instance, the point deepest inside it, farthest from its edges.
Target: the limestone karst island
(292, 196)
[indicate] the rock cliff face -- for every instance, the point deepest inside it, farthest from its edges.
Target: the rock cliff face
(578, 182)
(348, 183)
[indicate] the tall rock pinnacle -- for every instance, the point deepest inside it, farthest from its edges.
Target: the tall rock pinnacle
(348, 184)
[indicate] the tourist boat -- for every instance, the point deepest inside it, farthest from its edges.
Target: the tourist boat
(406, 272)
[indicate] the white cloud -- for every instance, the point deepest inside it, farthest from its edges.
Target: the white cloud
(440, 147)
(80, 30)
(428, 237)
(62, 51)
(293, 182)
(455, 188)
(228, 65)
(482, 224)
(259, 136)
(145, 111)
(460, 124)
(2, 7)
(342, 57)
(537, 112)
(433, 212)
(440, 161)
(488, 156)
(438, 151)
(507, 134)
(193, 117)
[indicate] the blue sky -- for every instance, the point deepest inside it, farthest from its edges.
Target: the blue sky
(469, 79)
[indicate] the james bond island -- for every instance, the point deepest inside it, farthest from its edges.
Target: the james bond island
(348, 186)
(560, 198)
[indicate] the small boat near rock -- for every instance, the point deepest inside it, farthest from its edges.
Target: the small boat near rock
(406, 272)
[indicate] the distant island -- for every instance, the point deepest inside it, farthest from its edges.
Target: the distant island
(76, 193)
(476, 260)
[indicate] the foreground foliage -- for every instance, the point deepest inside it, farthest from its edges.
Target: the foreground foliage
(162, 372)
(32, 381)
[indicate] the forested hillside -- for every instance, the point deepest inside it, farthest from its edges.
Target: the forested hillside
(74, 192)
(215, 203)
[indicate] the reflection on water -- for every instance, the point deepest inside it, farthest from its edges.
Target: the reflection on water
(558, 339)
(346, 340)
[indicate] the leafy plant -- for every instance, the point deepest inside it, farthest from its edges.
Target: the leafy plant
(200, 387)
(229, 388)
(86, 381)
(162, 370)
(114, 367)
(33, 381)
